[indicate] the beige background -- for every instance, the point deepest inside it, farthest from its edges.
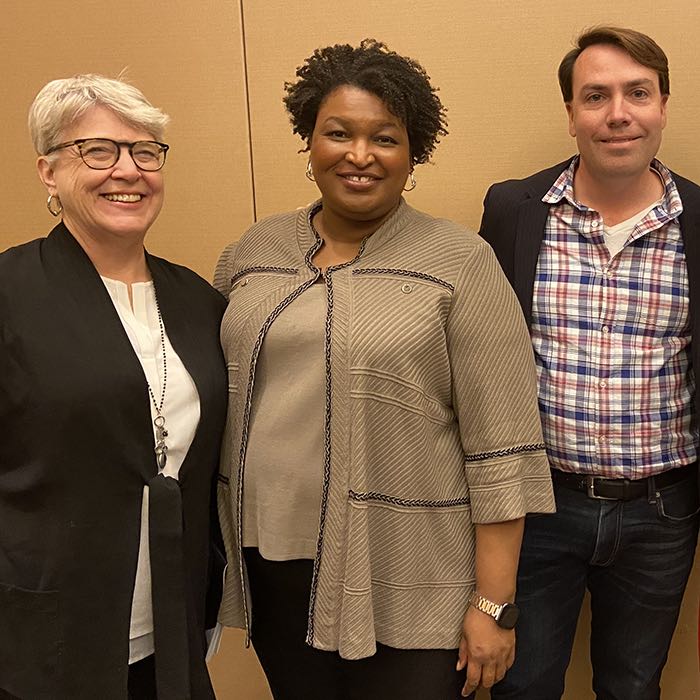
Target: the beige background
(218, 67)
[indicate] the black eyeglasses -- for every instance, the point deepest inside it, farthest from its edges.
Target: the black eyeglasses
(101, 154)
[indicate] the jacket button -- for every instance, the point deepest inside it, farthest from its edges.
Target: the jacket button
(406, 288)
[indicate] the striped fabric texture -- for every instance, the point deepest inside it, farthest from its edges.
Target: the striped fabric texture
(431, 422)
(612, 340)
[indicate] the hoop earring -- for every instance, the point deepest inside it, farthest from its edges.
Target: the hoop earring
(413, 182)
(53, 204)
(309, 173)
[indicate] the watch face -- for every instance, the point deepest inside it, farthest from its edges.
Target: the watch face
(509, 616)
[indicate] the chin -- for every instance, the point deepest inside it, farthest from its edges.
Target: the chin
(372, 213)
(132, 231)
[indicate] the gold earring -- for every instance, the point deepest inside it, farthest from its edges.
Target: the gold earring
(309, 172)
(53, 204)
(413, 182)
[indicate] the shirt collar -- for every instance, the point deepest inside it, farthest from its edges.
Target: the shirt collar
(563, 189)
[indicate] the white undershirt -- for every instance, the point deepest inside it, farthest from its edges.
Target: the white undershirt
(181, 411)
(616, 236)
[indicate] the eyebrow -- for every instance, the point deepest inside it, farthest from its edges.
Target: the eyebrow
(630, 84)
(346, 122)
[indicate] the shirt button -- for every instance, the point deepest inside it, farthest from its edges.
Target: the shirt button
(601, 439)
(605, 329)
(406, 288)
(602, 384)
(595, 224)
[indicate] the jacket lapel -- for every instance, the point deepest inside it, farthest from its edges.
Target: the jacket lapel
(177, 310)
(92, 324)
(532, 218)
(529, 232)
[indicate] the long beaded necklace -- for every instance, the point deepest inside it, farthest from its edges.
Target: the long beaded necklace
(159, 420)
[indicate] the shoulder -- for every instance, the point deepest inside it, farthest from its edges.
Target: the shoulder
(186, 281)
(272, 241)
(536, 184)
(438, 247)
(444, 233)
(17, 263)
(688, 190)
(23, 251)
(276, 227)
(277, 221)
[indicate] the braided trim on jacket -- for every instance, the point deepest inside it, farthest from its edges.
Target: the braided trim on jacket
(479, 456)
(327, 427)
(403, 273)
(245, 433)
(363, 496)
(262, 268)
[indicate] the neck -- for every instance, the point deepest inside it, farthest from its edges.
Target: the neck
(342, 238)
(617, 198)
(338, 230)
(117, 258)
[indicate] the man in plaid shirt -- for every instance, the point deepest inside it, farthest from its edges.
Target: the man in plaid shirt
(603, 251)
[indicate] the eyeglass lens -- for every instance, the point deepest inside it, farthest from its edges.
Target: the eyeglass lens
(104, 153)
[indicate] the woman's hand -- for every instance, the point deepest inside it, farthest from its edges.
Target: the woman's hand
(486, 650)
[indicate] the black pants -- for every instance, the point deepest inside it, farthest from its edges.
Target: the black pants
(296, 671)
(142, 679)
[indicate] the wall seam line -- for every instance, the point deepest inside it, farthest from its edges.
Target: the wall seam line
(251, 160)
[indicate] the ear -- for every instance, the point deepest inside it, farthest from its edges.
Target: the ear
(664, 104)
(570, 114)
(46, 174)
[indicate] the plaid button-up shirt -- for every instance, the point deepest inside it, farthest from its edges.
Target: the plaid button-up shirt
(612, 340)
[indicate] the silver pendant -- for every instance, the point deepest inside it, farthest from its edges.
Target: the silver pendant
(161, 447)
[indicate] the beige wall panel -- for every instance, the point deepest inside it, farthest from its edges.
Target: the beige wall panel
(187, 58)
(495, 64)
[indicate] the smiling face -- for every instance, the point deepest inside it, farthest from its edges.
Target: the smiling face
(360, 156)
(617, 113)
(121, 202)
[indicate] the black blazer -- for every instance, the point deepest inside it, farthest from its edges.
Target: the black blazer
(76, 448)
(514, 220)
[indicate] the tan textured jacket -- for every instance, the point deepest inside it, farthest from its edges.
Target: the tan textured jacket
(431, 422)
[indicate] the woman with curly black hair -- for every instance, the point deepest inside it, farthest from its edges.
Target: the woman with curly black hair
(383, 441)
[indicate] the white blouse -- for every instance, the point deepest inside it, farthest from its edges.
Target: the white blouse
(181, 411)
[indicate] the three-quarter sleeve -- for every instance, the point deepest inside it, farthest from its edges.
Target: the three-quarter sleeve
(494, 395)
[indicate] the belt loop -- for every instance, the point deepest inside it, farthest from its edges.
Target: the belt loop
(651, 490)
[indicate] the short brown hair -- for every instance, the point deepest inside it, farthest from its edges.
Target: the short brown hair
(640, 47)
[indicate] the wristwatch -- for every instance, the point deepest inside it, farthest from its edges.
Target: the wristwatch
(505, 615)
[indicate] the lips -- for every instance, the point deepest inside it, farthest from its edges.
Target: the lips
(620, 139)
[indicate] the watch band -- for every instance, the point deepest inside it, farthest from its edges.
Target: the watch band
(485, 605)
(505, 615)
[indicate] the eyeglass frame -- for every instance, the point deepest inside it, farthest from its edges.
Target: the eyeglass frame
(129, 145)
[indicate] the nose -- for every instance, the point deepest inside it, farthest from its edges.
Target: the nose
(360, 153)
(125, 168)
(618, 112)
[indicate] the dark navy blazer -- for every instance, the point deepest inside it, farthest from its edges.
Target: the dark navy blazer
(514, 220)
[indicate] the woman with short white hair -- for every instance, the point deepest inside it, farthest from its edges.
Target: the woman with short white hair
(112, 401)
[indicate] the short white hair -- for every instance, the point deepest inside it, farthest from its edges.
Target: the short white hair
(61, 102)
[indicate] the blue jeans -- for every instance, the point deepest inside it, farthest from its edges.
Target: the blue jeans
(635, 558)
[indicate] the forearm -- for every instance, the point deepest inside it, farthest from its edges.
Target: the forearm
(497, 553)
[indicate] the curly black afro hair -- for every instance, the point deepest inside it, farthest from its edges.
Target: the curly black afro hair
(401, 83)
